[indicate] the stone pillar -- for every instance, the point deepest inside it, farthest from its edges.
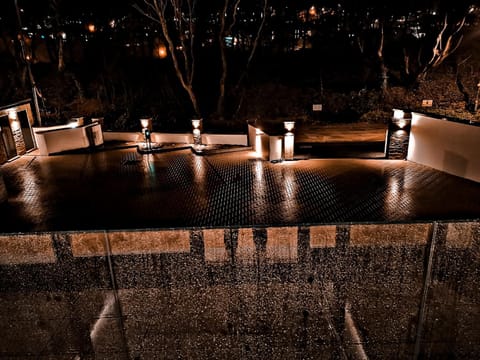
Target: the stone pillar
(398, 135)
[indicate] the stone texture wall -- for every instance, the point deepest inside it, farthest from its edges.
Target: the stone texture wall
(244, 293)
(398, 140)
(19, 141)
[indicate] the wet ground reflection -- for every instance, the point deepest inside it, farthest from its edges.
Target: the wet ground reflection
(332, 292)
(121, 189)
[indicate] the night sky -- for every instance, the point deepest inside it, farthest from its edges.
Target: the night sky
(111, 7)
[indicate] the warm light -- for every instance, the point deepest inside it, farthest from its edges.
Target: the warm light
(79, 121)
(14, 123)
(312, 11)
(402, 123)
(258, 143)
(162, 51)
(289, 143)
(196, 123)
(63, 35)
(91, 28)
(12, 115)
(258, 132)
(289, 125)
(197, 135)
(145, 123)
(398, 114)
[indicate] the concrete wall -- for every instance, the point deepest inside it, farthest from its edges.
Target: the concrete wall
(58, 139)
(445, 145)
(225, 139)
(270, 293)
(185, 138)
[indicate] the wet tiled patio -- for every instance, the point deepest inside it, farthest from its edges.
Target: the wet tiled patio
(117, 255)
(121, 189)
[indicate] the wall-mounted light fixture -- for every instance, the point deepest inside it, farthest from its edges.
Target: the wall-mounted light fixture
(14, 123)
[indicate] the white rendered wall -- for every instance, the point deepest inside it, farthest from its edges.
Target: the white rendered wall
(56, 139)
(445, 145)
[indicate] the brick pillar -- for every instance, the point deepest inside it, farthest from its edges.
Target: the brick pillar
(398, 135)
(19, 141)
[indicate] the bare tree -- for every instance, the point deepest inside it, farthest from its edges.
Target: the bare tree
(223, 32)
(55, 7)
(183, 14)
(383, 67)
(178, 21)
(444, 48)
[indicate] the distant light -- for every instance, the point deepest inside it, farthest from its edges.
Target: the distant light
(63, 35)
(312, 11)
(91, 28)
(161, 51)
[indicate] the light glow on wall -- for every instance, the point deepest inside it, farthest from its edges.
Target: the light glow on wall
(258, 142)
(289, 143)
(14, 123)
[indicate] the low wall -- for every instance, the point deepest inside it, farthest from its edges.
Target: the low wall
(52, 140)
(445, 145)
(184, 138)
(284, 244)
(389, 290)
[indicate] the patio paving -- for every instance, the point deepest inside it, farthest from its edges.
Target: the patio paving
(224, 284)
(122, 189)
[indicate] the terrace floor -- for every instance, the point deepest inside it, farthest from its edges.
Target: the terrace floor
(122, 189)
(261, 290)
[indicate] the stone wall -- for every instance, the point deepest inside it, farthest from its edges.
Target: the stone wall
(19, 141)
(384, 290)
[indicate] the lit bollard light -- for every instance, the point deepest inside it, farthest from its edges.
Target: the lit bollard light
(197, 132)
(146, 124)
(289, 139)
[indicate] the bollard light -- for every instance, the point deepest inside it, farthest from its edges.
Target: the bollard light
(289, 139)
(146, 124)
(197, 132)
